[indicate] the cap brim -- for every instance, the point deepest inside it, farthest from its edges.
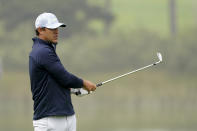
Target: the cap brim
(54, 26)
(63, 25)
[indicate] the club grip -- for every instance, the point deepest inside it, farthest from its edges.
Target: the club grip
(100, 84)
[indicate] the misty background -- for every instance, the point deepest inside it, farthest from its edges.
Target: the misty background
(104, 39)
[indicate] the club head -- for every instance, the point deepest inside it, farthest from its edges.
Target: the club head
(159, 56)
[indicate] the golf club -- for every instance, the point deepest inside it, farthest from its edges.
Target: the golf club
(160, 60)
(82, 92)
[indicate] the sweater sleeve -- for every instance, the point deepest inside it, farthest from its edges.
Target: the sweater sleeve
(50, 61)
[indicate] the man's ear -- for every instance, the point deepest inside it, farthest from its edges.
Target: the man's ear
(41, 30)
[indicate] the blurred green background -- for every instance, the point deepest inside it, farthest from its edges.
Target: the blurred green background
(104, 39)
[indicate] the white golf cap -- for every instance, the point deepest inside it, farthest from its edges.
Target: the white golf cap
(48, 20)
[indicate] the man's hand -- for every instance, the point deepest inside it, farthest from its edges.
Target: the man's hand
(89, 86)
(79, 92)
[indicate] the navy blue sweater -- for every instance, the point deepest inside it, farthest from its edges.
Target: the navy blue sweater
(50, 82)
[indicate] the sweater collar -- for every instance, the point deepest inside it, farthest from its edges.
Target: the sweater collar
(40, 41)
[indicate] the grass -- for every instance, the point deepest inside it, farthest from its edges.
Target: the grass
(146, 100)
(152, 15)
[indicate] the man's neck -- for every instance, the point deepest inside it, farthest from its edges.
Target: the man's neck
(44, 39)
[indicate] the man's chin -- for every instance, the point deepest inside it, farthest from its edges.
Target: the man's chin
(55, 41)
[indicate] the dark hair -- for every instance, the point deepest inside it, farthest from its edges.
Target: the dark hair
(37, 33)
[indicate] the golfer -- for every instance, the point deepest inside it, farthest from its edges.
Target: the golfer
(50, 81)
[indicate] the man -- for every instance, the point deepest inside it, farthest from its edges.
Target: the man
(50, 81)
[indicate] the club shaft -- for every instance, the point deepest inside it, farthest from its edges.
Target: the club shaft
(112, 79)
